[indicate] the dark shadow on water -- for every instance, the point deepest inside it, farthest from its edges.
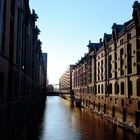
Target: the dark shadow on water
(28, 128)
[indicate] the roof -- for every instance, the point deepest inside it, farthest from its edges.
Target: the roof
(94, 45)
(118, 27)
(107, 37)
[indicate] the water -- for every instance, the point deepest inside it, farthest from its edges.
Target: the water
(58, 120)
(61, 121)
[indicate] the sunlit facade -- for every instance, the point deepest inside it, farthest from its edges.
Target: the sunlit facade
(110, 73)
(65, 81)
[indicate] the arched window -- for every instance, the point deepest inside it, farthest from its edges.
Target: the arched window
(138, 87)
(130, 88)
(116, 88)
(1, 85)
(98, 88)
(122, 88)
(121, 51)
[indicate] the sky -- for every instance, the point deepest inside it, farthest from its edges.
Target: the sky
(68, 25)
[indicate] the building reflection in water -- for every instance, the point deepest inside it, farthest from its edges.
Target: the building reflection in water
(58, 120)
(62, 121)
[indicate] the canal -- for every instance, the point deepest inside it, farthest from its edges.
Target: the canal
(62, 121)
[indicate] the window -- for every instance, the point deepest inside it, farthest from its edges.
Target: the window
(116, 88)
(121, 61)
(130, 88)
(121, 41)
(110, 88)
(109, 67)
(138, 87)
(122, 88)
(1, 85)
(98, 70)
(98, 88)
(121, 52)
(115, 69)
(128, 36)
(102, 55)
(95, 90)
(101, 62)
(129, 58)
(102, 69)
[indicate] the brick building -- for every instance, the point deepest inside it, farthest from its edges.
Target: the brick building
(22, 69)
(107, 78)
(65, 81)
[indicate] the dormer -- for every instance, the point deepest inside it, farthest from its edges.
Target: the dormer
(107, 38)
(116, 29)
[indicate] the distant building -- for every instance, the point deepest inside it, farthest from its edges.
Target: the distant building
(65, 81)
(50, 88)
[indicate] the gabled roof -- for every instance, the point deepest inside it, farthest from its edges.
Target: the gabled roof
(118, 27)
(128, 22)
(94, 45)
(107, 37)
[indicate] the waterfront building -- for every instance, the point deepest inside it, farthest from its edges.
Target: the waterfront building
(107, 78)
(22, 69)
(65, 81)
(79, 77)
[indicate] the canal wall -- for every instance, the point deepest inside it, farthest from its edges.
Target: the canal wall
(105, 111)
(109, 112)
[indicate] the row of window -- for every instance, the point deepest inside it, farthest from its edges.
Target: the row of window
(120, 88)
(117, 88)
(128, 38)
(121, 41)
(129, 61)
(100, 70)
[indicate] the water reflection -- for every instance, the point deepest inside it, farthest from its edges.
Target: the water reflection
(58, 120)
(24, 128)
(62, 121)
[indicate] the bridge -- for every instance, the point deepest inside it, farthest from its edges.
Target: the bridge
(58, 90)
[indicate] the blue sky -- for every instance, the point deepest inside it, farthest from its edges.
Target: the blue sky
(68, 25)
